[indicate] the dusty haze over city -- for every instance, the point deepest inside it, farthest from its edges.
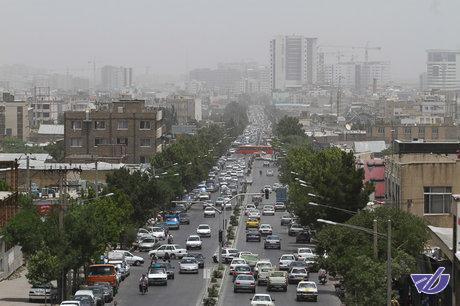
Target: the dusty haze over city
(174, 36)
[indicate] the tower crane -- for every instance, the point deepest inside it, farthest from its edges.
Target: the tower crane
(366, 49)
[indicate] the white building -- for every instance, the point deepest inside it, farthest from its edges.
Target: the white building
(443, 70)
(293, 61)
(116, 78)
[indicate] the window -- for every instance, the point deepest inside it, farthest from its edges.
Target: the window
(46, 115)
(434, 130)
(122, 124)
(421, 130)
(407, 130)
(143, 159)
(100, 141)
(144, 125)
(99, 125)
(75, 142)
(381, 130)
(145, 142)
(46, 106)
(437, 199)
(76, 125)
(122, 141)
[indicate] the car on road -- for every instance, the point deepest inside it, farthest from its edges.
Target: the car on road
(297, 274)
(199, 258)
(266, 163)
(256, 199)
(188, 265)
(280, 206)
(304, 253)
(147, 244)
(286, 219)
(227, 255)
(130, 258)
(303, 237)
(204, 230)
(262, 300)
(249, 181)
(208, 203)
(268, 210)
(164, 265)
(219, 201)
(193, 242)
(203, 196)
(255, 213)
(234, 263)
(184, 218)
(40, 292)
(173, 223)
(263, 273)
(157, 276)
(249, 208)
(209, 212)
(244, 283)
(173, 250)
(107, 291)
(252, 223)
(71, 303)
(265, 229)
(143, 233)
(260, 264)
(285, 261)
(102, 273)
(268, 187)
(98, 294)
(241, 269)
(294, 229)
(307, 291)
(298, 264)
(269, 172)
(251, 259)
(277, 280)
(272, 242)
(253, 235)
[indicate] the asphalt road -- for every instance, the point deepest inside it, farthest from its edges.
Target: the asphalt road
(288, 245)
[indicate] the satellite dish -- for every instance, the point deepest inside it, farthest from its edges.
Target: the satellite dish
(348, 126)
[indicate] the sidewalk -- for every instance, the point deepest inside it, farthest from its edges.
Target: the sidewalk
(14, 291)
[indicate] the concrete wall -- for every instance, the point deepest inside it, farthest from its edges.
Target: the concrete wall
(10, 260)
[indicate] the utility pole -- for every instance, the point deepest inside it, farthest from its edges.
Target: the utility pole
(28, 174)
(389, 278)
(96, 180)
(375, 240)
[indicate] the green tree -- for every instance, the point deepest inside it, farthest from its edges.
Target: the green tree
(56, 150)
(43, 267)
(350, 252)
(15, 145)
(288, 126)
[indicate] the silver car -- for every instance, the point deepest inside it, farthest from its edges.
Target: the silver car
(297, 274)
(244, 282)
(188, 265)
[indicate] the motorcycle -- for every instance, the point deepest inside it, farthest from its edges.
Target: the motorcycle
(322, 279)
(143, 288)
(170, 240)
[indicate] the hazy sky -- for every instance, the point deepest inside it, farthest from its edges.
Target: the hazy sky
(171, 35)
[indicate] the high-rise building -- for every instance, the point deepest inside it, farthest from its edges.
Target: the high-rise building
(293, 61)
(443, 70)
(116, 78)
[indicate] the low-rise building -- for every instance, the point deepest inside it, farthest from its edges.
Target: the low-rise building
(125, 131)
(420, 177)
(429, 132)
(14, 118)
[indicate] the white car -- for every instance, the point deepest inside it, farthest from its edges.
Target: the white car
(306, 291)
(268, 187)
(130, 258)
(87, 293)
(262, 263)
(304, 254)
(158, 232)
(248, 208)
(193, 242)
(227, 204)
(285, 261)
(157, 276)
(70, 303)
(262, 300)
(268, 210)
(203, 196)
(188, 265)
(235, 262)
(209, 212)
(219, 201)
(143, 233)
(173, 250)
(265, 229)
(269, 172)
(254, 214)
(203, 230)
(147, 244)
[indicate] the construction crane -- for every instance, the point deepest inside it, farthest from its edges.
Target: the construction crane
(366, 49)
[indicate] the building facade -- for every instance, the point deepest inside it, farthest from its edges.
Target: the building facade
(409, 132)
(186, 109)
(15, 118)
(443, 70)
(116, 78)
(124, 131)
(293, 61)
(421, 178)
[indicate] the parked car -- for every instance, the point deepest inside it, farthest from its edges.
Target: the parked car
(188, 265)
(147, 244)
(277, 280)
(71, 303)
(272, 242)
(85, 300)
(306, 291)
(193, 242)
(41, 292)
(85, 294)
(130, 258)
(253, 235)
(303, 237)
(98, 294)
(244, 283)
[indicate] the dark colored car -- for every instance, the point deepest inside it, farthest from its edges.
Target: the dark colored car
(184, 218)
(303, 237)
(298, 264)
(199, 257)
(108, 290)
(253, 235)
(84, 300)
(98, 294)
(272, 242)
(164, 265)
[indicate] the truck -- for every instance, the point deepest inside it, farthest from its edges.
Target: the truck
(281, 194)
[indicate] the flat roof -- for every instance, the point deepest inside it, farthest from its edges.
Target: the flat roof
(5, 194)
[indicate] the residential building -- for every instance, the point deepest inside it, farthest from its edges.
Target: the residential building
(420, 177)
(443, 70)
(428, 132)
(116, 78)
(45, 109)
(293, 61)
(374, 173)
(124, 131)
(14, 118)
(359, 76)
(186, 109)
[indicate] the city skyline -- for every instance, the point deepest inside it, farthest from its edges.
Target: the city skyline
(175, 37)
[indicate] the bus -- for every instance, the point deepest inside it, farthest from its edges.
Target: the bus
(248, 149)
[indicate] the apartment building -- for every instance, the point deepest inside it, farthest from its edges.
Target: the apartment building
(186, 109)
(421, 178)
(429, 132)
(14, 118)
(124, 131)
(443, 70)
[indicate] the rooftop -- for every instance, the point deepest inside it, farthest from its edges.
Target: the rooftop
(51, 129)
(4, 195)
